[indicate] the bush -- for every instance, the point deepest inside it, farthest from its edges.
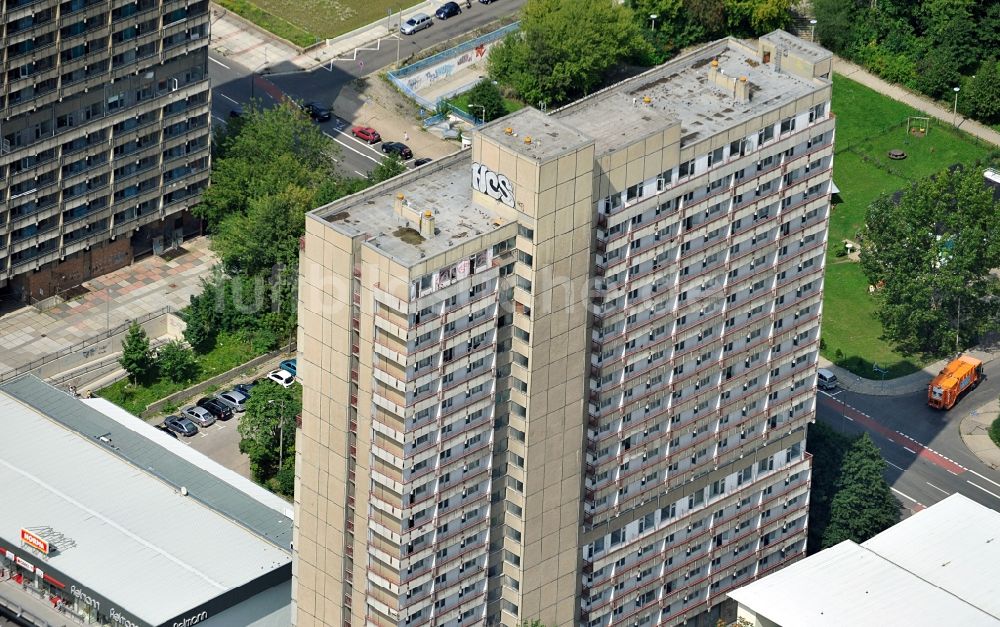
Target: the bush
(995, 431)
(176, 362)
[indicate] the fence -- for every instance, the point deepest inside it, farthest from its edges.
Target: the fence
(404, 78)
(41, 361)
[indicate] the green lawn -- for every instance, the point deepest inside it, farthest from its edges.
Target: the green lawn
(461, 101)
(227, 354)
(868, 126)
(305, 22)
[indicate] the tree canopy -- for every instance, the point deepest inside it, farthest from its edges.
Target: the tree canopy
(137, 358)
(928, 45)
(565, 48)
(828, 448)
(267, 431)
(931, 250)
(486, 101)
(863, 505)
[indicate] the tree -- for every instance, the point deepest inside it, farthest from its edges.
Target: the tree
(835, 20)
(757, 17)
(981, 93)
(176, 362)
(267, 428)
(202, 317)
(388, 167)
(486, 100)
(565, 48)
(676, 26)
(864, 504)
(828, 448)
(932, 249)
(136, 359)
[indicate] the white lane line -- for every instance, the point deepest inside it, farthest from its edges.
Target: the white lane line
(848, 417)
(936, 488)
(907, 448)
(983, 489)
(984, 478)
(228, 98)
(350, 148)
(223, 120)
(952, 471)
(906, 496)
(360, 174)
(895, 466)
(219, 62)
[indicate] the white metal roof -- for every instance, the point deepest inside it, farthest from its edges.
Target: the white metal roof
(137, 540)
(937, 567)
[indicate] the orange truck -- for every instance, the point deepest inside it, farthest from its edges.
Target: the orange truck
(962, 373)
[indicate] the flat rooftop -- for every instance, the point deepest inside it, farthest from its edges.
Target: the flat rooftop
(127, 533)
(680, 91)
(534, 134)
(807, 49)
(442, 187)
(931, 569)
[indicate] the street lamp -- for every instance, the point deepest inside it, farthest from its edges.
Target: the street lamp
(812, 31)
(652, 18)
(253, 74)
(954, 115)
(281, 433)
(480, 107)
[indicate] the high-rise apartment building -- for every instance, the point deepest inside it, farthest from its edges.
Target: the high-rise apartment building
(566, 375)
(104, 135)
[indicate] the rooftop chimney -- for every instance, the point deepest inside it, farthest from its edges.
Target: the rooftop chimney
(427, 225)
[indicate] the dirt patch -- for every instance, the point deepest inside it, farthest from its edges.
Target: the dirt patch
(408, 235)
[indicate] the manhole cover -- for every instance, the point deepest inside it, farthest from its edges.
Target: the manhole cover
(897, 154)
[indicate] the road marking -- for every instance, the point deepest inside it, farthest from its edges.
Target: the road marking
(935, 487)
(983, 489)
(219, 62)
(848, 417)
(908, 497)
(228, 98)
(350, 148)
(223, 120)
(984, 478)
(895, 466)
(907, 448)
(360, 174)
(952, 471)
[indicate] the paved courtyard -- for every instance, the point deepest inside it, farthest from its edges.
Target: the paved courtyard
(146, 286)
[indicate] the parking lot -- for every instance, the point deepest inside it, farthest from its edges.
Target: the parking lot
(221, 441)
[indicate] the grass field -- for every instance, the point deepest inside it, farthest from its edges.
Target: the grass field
(868, 126)
(305, 22)
(461, 101)
(227, 354)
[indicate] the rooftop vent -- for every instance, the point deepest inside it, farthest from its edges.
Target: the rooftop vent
(527, 139)
(508, 131)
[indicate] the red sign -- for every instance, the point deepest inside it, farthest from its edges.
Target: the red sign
(34, 541)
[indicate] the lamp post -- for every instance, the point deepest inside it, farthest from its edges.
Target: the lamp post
(652, 19)
(481, 108)
(281, 433)
(812, 31)
(253, 74)
(954, 115)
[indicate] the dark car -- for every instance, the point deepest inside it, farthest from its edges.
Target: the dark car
(246, 388)
(217, 408)
(181, 426)
(448, 9)
(486, 1)
(317, 111)
(289, 365)
(396, 148)
(165, 429)
(422, 161)
(236, 112)
(366, 133)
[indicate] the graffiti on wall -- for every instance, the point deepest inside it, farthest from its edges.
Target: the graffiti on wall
(447, 68)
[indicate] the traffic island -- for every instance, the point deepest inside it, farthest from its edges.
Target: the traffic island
(980, 429)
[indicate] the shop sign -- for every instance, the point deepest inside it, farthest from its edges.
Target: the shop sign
(34, 541)
(496, 186)
(28, 566)
(83, 597)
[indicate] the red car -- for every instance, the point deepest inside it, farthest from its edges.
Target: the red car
(367, 134)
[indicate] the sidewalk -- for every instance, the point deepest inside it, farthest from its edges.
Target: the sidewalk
(857, 73)
(975, 430)
(145, 286)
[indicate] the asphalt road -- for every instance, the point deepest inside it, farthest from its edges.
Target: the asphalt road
(927, 460)
(232, 83)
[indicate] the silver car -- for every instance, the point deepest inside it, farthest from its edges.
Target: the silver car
(199, 415)
(418, 22)
(234, 399)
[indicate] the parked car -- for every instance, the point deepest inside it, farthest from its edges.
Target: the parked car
(422, 161)
(317, 111)
(418, 22)
(826, 380)
(180, 425)
(289, 365)
(167, 430)
(199, 415)
(397, 148)
(486, 1)
(282, 377)
(217, 408)
(366, 133)
(236, 112)
(234, 399)
(448, 9)
(246, 388)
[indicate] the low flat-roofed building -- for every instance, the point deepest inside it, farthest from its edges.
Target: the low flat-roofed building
(934, 568)
(119, 528)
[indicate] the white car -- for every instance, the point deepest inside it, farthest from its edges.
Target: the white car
(282, 377)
